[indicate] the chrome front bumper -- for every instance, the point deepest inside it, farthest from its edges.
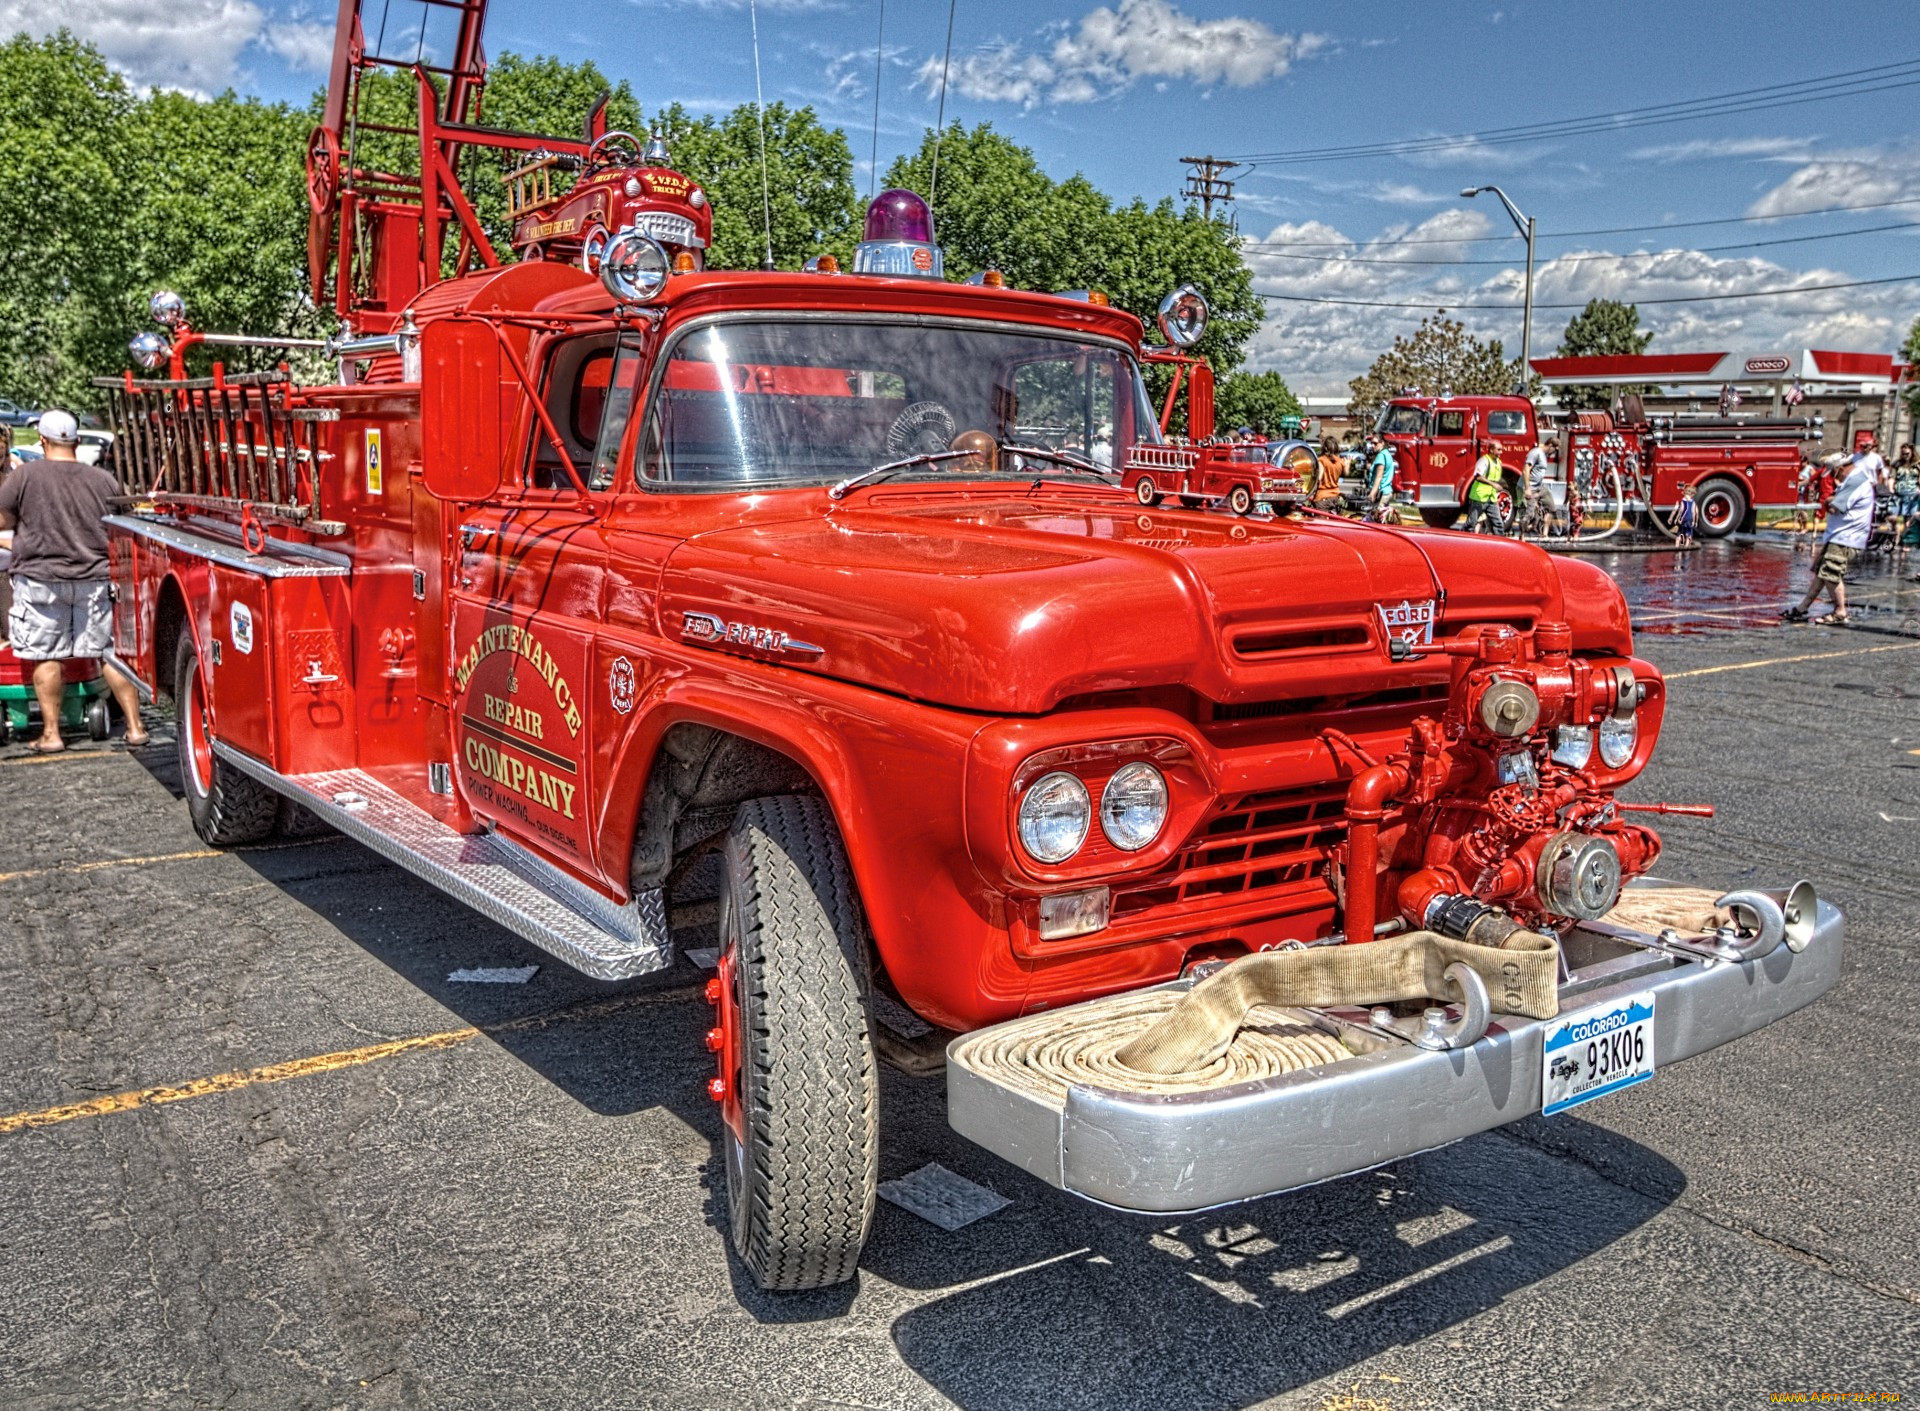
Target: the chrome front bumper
(1195, 1150)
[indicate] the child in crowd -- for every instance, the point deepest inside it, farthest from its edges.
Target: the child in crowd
(1685, 513)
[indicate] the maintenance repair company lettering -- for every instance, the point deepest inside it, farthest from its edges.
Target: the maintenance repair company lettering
(508, 637)
(544, 789)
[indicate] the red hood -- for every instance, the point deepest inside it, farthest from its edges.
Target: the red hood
(1011, 606)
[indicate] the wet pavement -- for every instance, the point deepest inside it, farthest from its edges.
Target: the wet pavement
(1727, 585)
(351, 1180)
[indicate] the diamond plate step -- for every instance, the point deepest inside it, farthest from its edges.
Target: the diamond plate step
(503, 882)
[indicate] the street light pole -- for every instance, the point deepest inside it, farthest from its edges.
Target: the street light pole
(1525, 226)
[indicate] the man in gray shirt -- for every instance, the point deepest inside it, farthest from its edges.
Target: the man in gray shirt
(62, 596)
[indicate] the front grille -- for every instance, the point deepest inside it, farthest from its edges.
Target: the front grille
(1432, 694)
(1255, 843)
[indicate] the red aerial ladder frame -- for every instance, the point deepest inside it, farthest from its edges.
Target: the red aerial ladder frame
(407, 217)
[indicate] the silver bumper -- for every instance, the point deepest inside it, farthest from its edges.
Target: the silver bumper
(1192, 1151)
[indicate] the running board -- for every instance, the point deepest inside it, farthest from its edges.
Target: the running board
(502, 881)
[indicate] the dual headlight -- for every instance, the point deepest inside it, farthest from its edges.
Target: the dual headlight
(1057, 812)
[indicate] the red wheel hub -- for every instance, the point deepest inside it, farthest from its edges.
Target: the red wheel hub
(723, 1041)
(193, 720)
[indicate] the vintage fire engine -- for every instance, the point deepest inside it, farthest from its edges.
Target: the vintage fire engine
(1635, 463)
(574, 580)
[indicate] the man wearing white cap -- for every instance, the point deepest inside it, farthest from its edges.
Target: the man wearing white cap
(62, 596)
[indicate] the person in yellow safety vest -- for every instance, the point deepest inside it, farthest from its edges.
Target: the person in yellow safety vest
(1484, 489)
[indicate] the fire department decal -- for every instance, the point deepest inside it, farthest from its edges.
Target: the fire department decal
(240, 628)
(1408, 621)
(620, 684)
(375, 470)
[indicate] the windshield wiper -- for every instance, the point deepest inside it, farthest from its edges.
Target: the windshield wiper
(881, 472)
(1060, 458)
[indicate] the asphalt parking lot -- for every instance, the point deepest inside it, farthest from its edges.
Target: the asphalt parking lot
(257, 1149)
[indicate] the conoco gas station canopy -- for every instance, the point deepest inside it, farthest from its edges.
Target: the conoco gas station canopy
(1871, 372)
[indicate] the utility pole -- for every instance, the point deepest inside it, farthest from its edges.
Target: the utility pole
(1206, 185)
(1524, 224)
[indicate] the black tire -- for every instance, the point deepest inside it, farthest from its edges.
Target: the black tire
(1240, 500)
(99, 719)
(1146, 492)
(1720, 508)
(227, 807)
(1439, 518)
(801, 1175)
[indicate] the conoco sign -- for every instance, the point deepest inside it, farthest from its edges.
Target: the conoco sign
(1768, 365)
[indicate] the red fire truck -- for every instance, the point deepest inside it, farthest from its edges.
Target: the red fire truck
(579, 579)
(1735, 464)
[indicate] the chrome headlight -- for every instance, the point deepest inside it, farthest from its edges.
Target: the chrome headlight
(1054, 817)
(1572, 746)
(1133, 806)
(1617, 739)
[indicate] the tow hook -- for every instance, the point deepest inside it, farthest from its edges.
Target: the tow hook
(1432, 1029)
(1763, 921)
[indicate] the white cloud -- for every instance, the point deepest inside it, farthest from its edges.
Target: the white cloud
(187, 44)
(1716, 148)
(305, 46)
(1110, 49)
(1844, 179)
(1319, 346)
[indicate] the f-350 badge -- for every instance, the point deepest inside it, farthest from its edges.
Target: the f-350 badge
(705, 628)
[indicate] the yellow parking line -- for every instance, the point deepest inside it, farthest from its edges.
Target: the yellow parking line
(58, 756)
(1783, 661)
(161, 857)
(324, 1062)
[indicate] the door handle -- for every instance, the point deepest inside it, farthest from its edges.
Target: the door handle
(470, 532)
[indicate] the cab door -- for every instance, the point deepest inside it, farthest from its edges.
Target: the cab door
(528, 596)
(1450, 450)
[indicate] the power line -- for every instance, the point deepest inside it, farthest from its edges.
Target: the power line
(1571, 234)
(1589, 259)
(1446, 305)
(1825, 87)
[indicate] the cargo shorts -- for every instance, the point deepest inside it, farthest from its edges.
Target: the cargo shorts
(1833, 563)
(53, 620)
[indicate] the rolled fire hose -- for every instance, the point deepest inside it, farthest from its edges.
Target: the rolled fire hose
(1233, 1026)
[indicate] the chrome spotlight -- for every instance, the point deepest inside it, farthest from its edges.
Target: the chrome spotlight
(168, 309)
(150, 350)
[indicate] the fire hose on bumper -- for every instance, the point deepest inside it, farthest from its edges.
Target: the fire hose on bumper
(1278, 1072)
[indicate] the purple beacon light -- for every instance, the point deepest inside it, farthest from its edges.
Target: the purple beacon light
(899, 238)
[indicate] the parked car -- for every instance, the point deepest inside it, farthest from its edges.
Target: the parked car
(15, 415)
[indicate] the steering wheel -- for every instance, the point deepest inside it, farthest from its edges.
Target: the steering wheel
(323, 171)
(925, 428)
(594, 154)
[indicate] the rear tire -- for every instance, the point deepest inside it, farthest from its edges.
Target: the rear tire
(803, 1115)
(227, 807)
(1439, 519)
(1720, 509)
(1146, 492)
(1240, 500)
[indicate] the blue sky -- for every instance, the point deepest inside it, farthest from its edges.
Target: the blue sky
(1120, 90)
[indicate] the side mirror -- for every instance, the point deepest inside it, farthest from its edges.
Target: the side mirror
(460, 409)
(1183, 316)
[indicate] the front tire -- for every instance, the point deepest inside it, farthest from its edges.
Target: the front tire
(801, 1099)
(1439, 518)
(227, 807)
(1240, 500)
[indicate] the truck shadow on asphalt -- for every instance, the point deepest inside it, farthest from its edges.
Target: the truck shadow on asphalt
(1052, 1302)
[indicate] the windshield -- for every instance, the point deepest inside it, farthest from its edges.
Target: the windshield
(1407, 421)
(802, 402)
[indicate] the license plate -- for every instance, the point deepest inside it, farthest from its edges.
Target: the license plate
(1597, 1051)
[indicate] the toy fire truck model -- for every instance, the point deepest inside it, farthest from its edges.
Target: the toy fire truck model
(1236, 853)
(1239, 473)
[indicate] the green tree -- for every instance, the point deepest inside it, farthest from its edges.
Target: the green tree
(1256, 399)
(219, 214)
(994, 208)
(1603, 327)
(1439, 356)
(809, 183)
(1910, 351)
(62, 217)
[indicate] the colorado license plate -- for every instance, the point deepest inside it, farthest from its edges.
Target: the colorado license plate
(1597, 1051)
